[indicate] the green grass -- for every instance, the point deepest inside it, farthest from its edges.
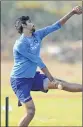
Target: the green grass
(56, 108)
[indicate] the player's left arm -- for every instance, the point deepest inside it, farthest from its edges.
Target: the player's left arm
(45, 70)
(53, 80)
(48, 74)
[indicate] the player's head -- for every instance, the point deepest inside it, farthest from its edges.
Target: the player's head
(24, 23)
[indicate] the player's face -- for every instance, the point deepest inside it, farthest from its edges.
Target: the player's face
(30, 26)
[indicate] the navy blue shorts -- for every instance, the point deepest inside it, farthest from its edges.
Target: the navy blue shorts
(23, 86)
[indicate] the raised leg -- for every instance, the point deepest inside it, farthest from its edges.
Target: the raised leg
(63, 85)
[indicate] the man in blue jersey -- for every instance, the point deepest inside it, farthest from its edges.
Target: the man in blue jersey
(26, 51)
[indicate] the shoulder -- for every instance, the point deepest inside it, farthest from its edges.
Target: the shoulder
(36, 33)
(18, 44)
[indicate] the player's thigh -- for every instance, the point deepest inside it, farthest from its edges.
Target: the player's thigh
(51, 86)
(22, 88)
(48, 85)
(39, 83)
(42, 83)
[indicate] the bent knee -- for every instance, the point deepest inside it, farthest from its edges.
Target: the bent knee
(30, 108)
(31, 111)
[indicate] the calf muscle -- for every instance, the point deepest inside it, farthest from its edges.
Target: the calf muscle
(72, 87)
(66, 86)
(30, 112)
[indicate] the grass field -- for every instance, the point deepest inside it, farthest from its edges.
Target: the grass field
(55, 108)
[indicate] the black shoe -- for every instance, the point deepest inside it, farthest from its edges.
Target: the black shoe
(19, 103)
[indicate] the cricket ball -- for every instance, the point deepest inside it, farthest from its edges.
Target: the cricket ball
(60, 87)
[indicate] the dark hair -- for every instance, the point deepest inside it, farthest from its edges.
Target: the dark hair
(19, 22)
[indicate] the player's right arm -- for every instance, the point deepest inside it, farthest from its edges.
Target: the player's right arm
(75, 10)
(47, 30)
(51, 28)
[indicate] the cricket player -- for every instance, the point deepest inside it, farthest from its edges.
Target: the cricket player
(24, 78)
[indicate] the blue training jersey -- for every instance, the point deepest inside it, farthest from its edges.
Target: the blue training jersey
(26, 52)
